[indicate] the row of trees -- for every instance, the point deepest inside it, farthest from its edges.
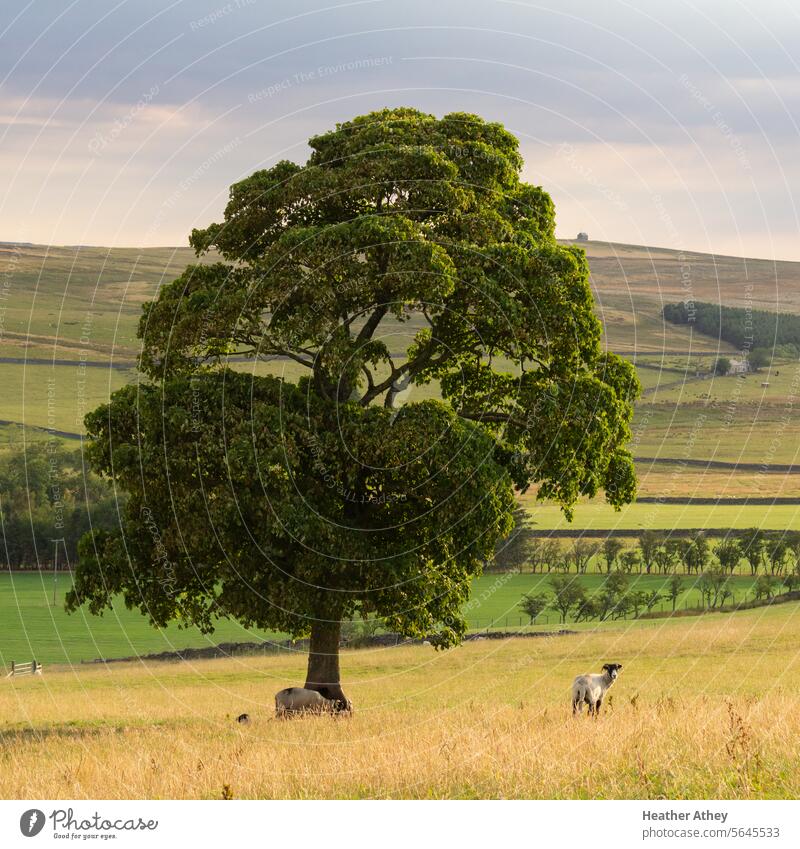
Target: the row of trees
(48, 501)
(746, 329)
(656, 553)
(618, 598)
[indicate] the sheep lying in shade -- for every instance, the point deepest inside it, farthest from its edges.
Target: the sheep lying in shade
(297, 700)
(591, 688)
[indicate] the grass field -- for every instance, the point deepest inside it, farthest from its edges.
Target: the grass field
(660, 480)
(84, 303)
(56, 397)
(597, 515)
(34, 627)
(704, 708)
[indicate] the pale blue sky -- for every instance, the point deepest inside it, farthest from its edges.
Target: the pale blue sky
(673, 124)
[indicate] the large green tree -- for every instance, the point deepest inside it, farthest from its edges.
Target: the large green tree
(406, 252)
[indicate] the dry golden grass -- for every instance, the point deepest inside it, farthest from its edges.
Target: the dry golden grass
(656, 481)
(705, 707)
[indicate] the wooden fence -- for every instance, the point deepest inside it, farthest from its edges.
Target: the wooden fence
(32, 667)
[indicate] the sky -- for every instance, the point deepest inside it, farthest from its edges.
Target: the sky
(124, 122)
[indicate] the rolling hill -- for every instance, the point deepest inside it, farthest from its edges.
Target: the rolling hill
(68, 319)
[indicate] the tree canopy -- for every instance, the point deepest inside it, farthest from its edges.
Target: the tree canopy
(405, 254)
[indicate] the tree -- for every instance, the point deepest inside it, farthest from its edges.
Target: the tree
(665, 556)
(793, 543)
(630, 560)
(743, 327)
(291, 503)
(612, 595)
(47, 502)
(588, 608)
(651, 599)
(765, 587)
(550, 555)
(729, 552)
(519, 548)
(792, 580)
(674, 589)
(722, 366)
(533, 604)
(649, 543)
(714, 586)
(641, 599)
(759, 358)
(753, 543)
(776, 551)
(568, 594)
(697, 553)
(612, 546)
(581, 554)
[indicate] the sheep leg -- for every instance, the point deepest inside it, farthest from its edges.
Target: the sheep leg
(597, 708)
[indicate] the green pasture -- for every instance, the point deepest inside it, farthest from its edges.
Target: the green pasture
(598, 515)
(65, 299)
(56, 397)
(740, 431)
(36, 627)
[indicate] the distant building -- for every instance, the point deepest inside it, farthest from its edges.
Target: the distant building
(582, 237)
(739, 367)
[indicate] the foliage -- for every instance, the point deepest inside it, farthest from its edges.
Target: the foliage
(533, 604)
(612, 547)
(674, 589)
(547, 556)
(759, 358)
(729, 552)
(48, 501)
(649, 543)
(753, 544)
(776, 551)
(630, 560)
(519, 548)
(667, 555)
(696, 552)
(611, 598)
(296, 505)
(792, 580)
(766, 586)
(568, 593)
(581, 553)
(722, 366)
(714, 586)
(746, 329)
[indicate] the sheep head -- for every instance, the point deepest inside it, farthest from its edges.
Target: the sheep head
(613, 669)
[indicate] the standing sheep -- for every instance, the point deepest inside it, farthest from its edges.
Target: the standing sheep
(591, 688)
(297, 700)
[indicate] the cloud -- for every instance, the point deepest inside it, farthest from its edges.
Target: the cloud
(109, 109)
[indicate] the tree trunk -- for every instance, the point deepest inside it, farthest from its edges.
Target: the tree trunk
(323, 660)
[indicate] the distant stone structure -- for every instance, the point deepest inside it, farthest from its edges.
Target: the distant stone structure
(582, 237)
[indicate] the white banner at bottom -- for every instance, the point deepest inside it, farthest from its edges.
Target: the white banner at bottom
(401, 825)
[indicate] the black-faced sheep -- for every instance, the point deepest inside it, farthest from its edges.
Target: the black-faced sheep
(591, 688)
(297, 700)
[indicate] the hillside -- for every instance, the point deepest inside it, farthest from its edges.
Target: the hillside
(68, 319)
